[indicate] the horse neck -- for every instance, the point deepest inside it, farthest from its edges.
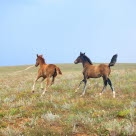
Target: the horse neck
(86, 61)
(86, 64)
(41, 63)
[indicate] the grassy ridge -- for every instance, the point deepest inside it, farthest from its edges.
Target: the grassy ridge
(65, 67)
(61, 111)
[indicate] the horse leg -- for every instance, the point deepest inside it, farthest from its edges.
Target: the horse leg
(42, 83)
(105, 84)
(85, 81)
(53, 78)
(34, 83)
(109, 82)
(47, 85)
(79, 85)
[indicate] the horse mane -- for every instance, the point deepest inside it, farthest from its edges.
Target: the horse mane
(87, 59)
(42, 59)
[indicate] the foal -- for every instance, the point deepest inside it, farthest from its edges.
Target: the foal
(45, 71)
(92, 71)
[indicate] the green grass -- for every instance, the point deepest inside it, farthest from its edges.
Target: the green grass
(61, 111)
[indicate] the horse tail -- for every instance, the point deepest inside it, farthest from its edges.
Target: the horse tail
(113, 60)
(58, 70)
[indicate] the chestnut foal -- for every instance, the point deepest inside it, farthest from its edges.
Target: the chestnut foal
(45, 71)
(92, 71)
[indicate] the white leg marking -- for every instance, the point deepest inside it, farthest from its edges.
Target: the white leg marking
(76, 90)
(83, 91)
(41, 85)
(43, 92)
(33, 86)
(113, 94)
(81, 95)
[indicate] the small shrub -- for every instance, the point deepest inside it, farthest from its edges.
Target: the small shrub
(123, 127)
(50, 116)
(66, 106)
(123, 113)
(14, 111)
(3, 125)
(10, 132)
(40, 104)
(40, 131)
(2, 115)
(10, 99)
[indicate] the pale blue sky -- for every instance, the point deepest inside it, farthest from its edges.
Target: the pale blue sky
(60, 29)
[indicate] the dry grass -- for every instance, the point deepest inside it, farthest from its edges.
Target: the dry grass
(63, 112)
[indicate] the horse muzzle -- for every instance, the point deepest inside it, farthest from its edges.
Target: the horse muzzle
(75, 62)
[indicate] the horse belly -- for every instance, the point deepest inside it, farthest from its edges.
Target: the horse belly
(42, 73)
(94, 75)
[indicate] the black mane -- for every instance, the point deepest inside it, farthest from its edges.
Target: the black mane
(87, 59)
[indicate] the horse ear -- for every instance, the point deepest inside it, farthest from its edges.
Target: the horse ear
(81, 53)
(84, 53)
(37, 55)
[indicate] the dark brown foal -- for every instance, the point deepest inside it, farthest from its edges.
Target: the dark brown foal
(46, 71)
(92, 71)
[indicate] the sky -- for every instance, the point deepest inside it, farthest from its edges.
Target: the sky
(60, 29)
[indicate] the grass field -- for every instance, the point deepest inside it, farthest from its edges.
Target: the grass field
(61, 111)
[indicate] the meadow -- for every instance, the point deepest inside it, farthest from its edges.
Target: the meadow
(61, 111)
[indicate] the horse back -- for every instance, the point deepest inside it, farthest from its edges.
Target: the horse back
(47, 70)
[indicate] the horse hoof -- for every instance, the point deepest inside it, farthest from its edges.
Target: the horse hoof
(32, 91)
(44, 92)
(113, 96)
